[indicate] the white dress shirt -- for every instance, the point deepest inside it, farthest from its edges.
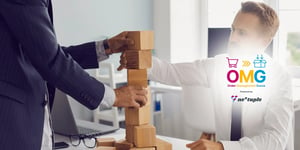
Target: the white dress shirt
(107, 101)
(266, 125)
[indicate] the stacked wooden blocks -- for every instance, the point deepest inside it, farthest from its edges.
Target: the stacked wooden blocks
(140, 134)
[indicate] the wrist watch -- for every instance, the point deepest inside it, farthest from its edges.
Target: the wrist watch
(105, 44)
(106, 47)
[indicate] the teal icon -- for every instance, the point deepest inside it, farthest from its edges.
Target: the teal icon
(259, 62)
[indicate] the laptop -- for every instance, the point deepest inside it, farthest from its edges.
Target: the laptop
(63, 121)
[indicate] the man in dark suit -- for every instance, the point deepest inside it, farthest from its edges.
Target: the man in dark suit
(31, 60)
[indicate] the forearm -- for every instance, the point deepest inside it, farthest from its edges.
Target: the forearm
(178, 74)
(84, 54)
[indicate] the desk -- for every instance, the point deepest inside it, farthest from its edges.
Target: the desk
(178, 144)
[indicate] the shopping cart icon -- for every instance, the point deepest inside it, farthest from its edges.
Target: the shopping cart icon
(232, 62)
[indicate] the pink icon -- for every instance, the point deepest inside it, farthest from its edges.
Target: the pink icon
(232, 62)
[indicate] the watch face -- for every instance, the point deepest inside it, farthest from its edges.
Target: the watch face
(105, 44)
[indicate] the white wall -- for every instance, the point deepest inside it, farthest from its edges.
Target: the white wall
(161, 25)
(79, 21)
(181, 30)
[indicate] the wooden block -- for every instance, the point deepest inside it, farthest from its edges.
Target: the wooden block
(105, 148)
(142, 40)
(163, 145)
(142, 83)
(137, 74)
(129, 133)
(123, 145)
(137, 77)
(144, 136)
(138, 59)
(106, 142)
(144, 148)
(137, 116)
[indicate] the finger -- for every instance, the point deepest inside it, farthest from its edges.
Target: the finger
(142, 100)
(121, 67)
(193, 144)
(205, 136)
(135, 104)
(141, 92)
(123, 62)
(123, 55)
(120, 48)
(138, 87)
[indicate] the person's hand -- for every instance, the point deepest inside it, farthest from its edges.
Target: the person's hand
(130, 96)
(207, 136)
(119, 43)
(204, 144)
(123, 62)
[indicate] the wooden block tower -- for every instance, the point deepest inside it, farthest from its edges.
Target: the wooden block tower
(140, 134)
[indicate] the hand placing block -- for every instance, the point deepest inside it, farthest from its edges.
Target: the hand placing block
(138, 59)
(143, 40)
(144, 136)
(163, 145)
(137, 77)
(123, 145)
(137, 116)
(106, 142)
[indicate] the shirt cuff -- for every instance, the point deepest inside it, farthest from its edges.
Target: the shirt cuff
(108, 98)
(101, 55)
(231, 145)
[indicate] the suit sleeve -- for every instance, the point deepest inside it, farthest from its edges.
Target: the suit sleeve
(84, 54)
(30, 24)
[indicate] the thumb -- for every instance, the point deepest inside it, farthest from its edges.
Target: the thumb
(191, 145)
(121, 67)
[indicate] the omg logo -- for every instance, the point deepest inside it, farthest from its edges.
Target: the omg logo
(234, 76)
(246, 77)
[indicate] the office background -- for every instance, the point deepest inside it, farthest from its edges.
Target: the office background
(175, 23)
(79, 21)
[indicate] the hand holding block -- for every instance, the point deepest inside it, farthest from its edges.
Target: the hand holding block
(144, 136)
(142, 40)
(138, 59)
(123, 145)
(106, 142)
(137, 116)
(137, 77)
(163, 145)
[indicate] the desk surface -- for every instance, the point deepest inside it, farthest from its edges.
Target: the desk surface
(178, 144)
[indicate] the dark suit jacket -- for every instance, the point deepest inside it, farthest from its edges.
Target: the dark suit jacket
(29, 57)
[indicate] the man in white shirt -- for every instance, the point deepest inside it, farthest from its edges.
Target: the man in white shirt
(252, 101)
